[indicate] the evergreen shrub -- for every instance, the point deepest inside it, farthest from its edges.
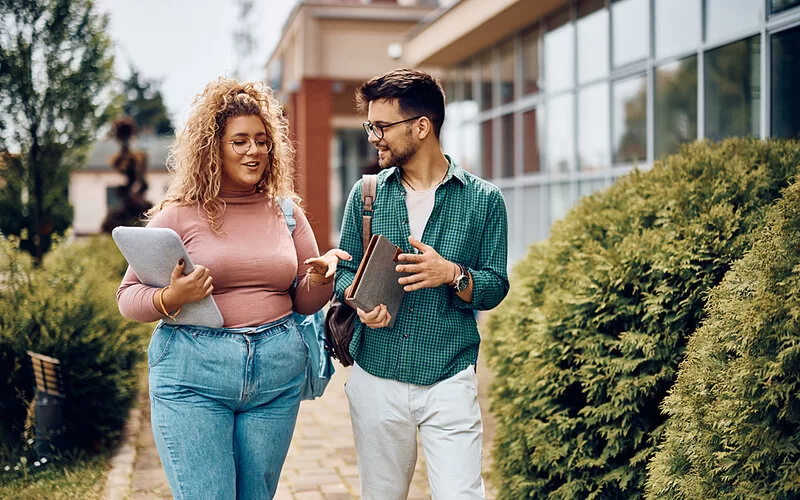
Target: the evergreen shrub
(734, 412)
(597, 319)
(67, 309)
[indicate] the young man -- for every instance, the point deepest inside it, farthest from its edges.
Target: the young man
(419, 376)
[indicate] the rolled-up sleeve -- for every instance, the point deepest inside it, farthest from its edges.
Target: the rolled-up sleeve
(350, 241)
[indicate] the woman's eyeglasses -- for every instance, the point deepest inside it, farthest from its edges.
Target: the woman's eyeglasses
(241, 145)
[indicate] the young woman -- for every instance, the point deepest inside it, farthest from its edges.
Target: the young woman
(224, 401)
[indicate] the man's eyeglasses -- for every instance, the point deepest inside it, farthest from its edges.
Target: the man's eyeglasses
(242, 145)
(374, 128)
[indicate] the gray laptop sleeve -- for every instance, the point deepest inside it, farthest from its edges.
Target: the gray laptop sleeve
(152, 253)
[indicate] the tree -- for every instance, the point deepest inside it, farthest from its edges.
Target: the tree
(56, 65)
(145, 104)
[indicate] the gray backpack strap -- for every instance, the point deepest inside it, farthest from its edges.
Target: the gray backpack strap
(369, 187)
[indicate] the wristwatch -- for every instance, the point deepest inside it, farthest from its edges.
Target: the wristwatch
(462, 280)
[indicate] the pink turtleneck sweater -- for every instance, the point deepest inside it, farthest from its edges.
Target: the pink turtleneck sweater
(253, 260)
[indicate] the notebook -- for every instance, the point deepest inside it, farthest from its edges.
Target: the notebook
(376, 279)
(152, 253)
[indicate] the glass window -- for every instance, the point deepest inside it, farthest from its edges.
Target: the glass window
(725, 18)
(593, 46)
(559, 58)
(530, 142)
(785, 82)
(507, 93)
(487, 149)
(629, 127)
(733, 90)
(631, 21)
(465, 75)
(779, 5)
(593, 133)
(530, 62)
(560, 147)
(561, 200)
(534, 206)
(677, 26)
(507, 124)
(676, 105)
(487, 81)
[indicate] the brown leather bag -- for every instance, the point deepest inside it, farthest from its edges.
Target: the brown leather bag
(340, 319)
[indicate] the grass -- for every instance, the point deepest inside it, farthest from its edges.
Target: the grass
(67, 477)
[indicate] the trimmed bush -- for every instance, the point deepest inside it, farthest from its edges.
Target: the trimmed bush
(67, 310)
(596, 323)
(734, 412)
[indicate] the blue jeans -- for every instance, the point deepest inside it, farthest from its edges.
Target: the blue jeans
(224, 403)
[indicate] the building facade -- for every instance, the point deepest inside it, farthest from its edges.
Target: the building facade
(328, 48)
(553, 99)
(93, 188)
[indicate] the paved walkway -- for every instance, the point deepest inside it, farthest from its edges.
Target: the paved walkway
(322, 460)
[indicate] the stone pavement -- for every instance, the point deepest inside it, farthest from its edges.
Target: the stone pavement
(322, 461)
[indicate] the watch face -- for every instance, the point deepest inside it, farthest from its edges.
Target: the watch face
(462, 282)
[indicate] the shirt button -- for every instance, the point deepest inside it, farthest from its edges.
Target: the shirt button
(404, 222)
(411, 309)
(405, 335)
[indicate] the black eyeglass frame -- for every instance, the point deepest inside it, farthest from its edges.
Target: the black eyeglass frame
(373, 128)
(250, 144)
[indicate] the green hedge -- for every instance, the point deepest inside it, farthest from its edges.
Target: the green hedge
(596, 323)
(734, 412)
(67, 309)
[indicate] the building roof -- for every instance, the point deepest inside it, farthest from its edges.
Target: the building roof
(156, 147)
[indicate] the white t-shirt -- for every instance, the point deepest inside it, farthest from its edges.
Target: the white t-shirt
(420, 207)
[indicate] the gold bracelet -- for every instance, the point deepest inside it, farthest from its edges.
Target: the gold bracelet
(164, 309)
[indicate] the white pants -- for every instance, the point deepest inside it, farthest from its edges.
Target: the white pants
(386, 416)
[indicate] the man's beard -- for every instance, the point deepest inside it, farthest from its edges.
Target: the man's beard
(397, 159)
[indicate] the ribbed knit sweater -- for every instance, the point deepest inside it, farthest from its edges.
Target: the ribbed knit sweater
(253, 262)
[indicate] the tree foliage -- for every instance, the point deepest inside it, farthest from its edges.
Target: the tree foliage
(734, 413)
(596, 323)
(144, 103)
(55, 69)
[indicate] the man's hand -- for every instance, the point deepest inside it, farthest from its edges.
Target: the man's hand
(428, 269)
(376, 318)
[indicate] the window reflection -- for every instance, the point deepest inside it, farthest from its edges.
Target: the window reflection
(629, 108)
(729, 17)
(677, 26)
(593, 133)
(507, 124)
(779, 5)
(676, 105)
(559, 57)
(530, 62)
(487, 81)
(631, 21)
(507, 92)
(530, 142)
(593, 46)
(733, 90)
(560, 134)
(785, 82)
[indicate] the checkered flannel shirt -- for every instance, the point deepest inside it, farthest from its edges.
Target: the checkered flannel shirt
(435, 334)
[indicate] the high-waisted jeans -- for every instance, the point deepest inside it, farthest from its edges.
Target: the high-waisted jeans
(224, 404)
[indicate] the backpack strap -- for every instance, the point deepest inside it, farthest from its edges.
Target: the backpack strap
(287, 207)
(369, 184)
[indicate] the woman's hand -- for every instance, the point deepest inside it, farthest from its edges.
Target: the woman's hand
(325, 265)
(193, 287)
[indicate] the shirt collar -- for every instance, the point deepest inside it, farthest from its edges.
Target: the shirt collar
(453, 171)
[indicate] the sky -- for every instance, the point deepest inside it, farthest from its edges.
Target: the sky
(185, 44)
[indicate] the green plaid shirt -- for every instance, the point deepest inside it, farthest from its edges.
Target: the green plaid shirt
(435, 334)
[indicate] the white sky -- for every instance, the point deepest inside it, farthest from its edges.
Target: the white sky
(187, 43)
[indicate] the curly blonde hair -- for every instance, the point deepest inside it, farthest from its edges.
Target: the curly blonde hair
(195, 157)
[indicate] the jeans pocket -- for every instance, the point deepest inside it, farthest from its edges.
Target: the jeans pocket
(160, 342)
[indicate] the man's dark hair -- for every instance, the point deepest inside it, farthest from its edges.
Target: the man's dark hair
(417, 93)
